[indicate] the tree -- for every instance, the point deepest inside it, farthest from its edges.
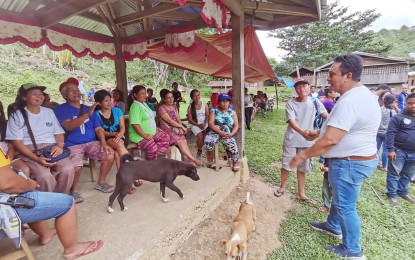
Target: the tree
(338, 32)
(273, 62)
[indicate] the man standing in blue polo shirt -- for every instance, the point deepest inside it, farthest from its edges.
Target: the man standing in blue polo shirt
(402, 97)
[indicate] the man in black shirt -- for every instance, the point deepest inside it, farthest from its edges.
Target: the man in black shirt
(176, 95)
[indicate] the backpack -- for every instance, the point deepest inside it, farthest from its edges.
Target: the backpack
(318, 119)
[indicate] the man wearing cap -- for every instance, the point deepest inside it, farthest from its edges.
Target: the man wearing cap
(176, 95)
(300, 113)
(83, 127)
(348, 141)
(29, 119)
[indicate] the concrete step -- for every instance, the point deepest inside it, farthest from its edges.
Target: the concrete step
(150, 229)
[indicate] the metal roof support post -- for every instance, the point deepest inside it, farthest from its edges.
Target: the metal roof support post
(121, 70)
(238, 76)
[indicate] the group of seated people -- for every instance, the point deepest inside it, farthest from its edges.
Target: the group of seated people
(155, 132)
(97, 132)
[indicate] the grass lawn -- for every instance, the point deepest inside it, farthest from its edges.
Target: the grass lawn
(387, 232)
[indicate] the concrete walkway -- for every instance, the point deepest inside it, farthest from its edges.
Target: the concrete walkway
(150, 229)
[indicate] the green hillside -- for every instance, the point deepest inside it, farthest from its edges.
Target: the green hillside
(20, 64)
(402, 40)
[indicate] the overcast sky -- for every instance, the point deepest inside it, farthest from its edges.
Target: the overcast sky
(394, 14)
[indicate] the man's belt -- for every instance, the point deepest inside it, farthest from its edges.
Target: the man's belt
(355, 158)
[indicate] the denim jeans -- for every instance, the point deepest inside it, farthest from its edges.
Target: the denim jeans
(326, 191)
(380, 141)
(400, 172)
(47, 205)
(346, 178)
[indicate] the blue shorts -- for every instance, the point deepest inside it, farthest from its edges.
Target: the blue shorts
(47, 205)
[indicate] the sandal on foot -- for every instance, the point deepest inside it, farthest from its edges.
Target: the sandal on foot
(132, 190)
(91, 248)
(324, 209)
(104, 187)
(308, 200)
(212, 166)
(138, 183)
(235, 168)
(77, 197)
(279, 193)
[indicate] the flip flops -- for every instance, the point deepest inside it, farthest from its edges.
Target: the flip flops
(132, 190)
(212, 166)
(235, 168)
(91, 248)
(138, 183)
(104, 187)
(77, 197)
(324, 209)
(308, 200)
(279, 193)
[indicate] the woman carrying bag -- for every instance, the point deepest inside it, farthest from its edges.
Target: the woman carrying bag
(32, 127)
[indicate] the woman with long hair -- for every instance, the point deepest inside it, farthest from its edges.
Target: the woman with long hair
(30, 117)
(112, 119)
(197, 114)
(118, 100)
(171, 123)
(143, 130)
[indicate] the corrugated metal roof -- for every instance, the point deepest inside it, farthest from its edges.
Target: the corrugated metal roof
(87, 24)
(12, 5)
(133, 29)
(126, 7)
(122, 8)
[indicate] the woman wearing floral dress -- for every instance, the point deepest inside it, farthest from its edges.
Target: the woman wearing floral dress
(223, 125)
(171, 124)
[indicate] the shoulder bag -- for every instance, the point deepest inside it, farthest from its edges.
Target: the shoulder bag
(45, 151)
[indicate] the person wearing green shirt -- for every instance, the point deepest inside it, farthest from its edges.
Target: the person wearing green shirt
(143, 130)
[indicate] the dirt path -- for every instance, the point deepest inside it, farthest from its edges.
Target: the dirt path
(204, 243)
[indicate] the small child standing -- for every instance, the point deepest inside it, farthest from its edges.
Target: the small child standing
(326, 191)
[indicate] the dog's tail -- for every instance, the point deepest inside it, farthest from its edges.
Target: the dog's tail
(126, 158)
(248, 197)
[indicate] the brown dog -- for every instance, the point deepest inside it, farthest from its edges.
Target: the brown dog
(242, 227)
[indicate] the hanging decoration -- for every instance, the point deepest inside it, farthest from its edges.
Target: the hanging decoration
(179, 39)
(57, 38)
(30, 35)
(215, 12)
(134, 49)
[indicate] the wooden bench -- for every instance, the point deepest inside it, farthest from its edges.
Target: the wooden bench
(141, 152)
(92, 164)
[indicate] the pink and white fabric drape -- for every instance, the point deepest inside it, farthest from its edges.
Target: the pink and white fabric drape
(215, 12)
(178, 39)
(59, 38)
